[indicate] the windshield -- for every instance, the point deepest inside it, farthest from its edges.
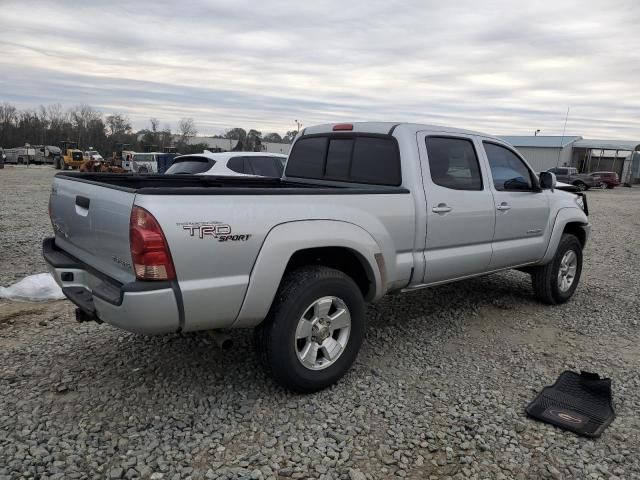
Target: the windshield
(143, 157)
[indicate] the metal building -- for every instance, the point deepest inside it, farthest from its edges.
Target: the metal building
(272, 147)
(620, 156)
(544, 152)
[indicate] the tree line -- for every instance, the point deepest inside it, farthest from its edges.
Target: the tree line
(49, 125)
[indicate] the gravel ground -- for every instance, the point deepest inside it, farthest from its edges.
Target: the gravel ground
(438, 390)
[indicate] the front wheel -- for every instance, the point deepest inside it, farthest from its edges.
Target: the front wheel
(557, 281)
(314, 329)
(581, 186)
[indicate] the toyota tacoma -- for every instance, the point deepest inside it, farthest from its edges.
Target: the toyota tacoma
(362, 210)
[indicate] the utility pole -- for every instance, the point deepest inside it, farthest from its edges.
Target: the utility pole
(298, 124)
(535, 134)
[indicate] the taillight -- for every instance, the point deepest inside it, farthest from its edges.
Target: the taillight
(342, 127)
(149, 249)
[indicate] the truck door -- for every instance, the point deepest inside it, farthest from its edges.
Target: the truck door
(460, 210)
(522, 209)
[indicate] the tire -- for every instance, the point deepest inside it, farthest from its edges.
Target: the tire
(282, 354)
(546, 280)
(610, 186)
(581, 186)
(604, 185)
(143, 170)
(56, 164)
(65, 166)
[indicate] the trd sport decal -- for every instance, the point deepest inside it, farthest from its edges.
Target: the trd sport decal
(217, 230)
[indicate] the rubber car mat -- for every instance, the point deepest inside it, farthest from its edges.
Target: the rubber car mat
(578, 402)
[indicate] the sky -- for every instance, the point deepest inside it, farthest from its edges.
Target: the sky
(500, 67)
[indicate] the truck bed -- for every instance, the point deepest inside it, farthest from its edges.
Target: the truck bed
(211, 185)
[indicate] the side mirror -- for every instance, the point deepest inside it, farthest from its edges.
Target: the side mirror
(547, 180)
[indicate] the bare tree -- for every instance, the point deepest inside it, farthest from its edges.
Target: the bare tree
(187, 129)
(290, 135)
(83, 118)
(8, 115)
(166, 138)
(118, 124)
(272, 137)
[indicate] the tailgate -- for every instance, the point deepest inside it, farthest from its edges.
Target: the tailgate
(91, 222)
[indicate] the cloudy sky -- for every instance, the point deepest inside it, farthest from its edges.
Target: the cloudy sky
(503, 67)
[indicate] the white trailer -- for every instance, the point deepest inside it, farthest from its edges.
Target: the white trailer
(20, 155)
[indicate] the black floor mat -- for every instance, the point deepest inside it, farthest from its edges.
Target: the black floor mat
(577, 402)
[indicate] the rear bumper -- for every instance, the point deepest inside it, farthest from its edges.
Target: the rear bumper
(140, 307)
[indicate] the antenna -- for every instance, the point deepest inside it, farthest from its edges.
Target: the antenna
(562, 139)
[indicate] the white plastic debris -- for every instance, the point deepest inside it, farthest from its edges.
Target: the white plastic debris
(34, 288)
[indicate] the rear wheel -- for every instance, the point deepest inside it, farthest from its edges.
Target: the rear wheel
(143, 170)
(557, 281)
(56, 163)
(581, 186)
(314, 329)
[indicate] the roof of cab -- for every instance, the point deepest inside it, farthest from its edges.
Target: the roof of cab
(388, 127)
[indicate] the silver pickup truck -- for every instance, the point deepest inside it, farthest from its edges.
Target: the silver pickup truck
(363, 210)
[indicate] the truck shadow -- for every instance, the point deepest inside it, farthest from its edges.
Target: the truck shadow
(191, 365)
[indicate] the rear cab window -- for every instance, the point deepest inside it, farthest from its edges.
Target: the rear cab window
(190, 165)
(354, 157)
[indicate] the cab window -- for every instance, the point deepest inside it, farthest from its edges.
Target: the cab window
(357, 158)
(508, 170)
(453, 163)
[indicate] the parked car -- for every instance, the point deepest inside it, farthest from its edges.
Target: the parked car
(92, 155)
(152, 162)
(608, 179)
(362, 210)
(230, 164)
(583, 181)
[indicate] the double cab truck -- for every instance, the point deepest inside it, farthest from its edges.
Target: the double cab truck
(362, 210)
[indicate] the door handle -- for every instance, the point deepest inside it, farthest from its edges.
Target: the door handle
(83, 202)
(503, 207)
(441, 208)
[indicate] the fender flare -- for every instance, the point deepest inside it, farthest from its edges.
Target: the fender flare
(564, 216)
(282, 242)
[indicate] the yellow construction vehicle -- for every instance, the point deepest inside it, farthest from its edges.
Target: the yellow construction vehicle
(71, 156)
